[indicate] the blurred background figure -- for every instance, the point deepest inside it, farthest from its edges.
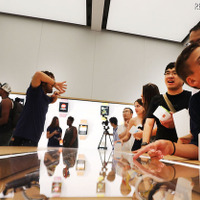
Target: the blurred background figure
(114, 123)
(54, 133)
(141, 108)
(70, 139)
(148, 92)
(6, 107)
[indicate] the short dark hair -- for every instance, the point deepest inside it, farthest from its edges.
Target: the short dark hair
(182, 68)
(131, 111)
(113, 120)
(196, 27)
(71, 119)
(171, 65)
(48, 73)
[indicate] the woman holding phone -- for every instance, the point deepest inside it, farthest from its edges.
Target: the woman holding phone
(54, 133)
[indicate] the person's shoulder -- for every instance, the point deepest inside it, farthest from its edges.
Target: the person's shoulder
(33, 89)
(6, 102)
(132, 120)
(156, 99)
(187, 93)
(74, 127)
(158, 96)
(195, 97)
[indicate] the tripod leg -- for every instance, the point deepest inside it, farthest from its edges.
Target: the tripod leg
(99, 146)
(110, 140)
(105, 146)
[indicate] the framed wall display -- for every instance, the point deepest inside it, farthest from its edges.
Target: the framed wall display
(104, 110)
(63, 107)
(83, 129)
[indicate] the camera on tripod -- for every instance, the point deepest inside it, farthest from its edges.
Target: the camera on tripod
(105, 123)
(104, 113)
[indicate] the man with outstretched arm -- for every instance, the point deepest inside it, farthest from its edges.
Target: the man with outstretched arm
(31, 123)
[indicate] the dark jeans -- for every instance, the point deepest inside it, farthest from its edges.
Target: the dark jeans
(17, 141)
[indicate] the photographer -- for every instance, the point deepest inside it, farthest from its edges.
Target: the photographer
(113, 122)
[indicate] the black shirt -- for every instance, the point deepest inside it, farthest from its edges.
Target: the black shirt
(194, 110)
(179, 101)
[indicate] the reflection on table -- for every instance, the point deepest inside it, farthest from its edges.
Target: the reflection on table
(79, 173)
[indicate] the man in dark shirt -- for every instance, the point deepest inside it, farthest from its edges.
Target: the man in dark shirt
(179, 99)
(31, 123)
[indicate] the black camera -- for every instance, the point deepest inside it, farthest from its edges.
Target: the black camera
(105, 123)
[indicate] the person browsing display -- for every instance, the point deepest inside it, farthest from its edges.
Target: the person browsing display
(179, 99)
(136, 122)
(141, 107)
(188, 69)
(70, 139)
(54, 133)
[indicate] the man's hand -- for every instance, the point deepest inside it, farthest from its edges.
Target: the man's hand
(61, 86)
(126, 123)
(157, 149)
(119, 141)
(185, 140)
(168, 123)
(56, 132)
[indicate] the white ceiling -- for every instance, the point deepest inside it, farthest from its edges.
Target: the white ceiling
(162, 19)
(71, 11)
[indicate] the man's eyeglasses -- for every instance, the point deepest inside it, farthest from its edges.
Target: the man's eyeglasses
(170, 73)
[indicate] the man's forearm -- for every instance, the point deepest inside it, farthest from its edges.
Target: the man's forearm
(189, 151)
(121, 135)
(41, 77)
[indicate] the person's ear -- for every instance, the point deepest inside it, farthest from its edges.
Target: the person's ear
(191, 81)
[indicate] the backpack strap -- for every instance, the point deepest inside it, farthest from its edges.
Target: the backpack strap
(168, 102)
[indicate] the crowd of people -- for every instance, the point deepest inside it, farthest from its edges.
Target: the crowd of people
(159, 137)
(143, 133)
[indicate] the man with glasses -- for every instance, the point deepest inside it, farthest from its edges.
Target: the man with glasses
(178, 97)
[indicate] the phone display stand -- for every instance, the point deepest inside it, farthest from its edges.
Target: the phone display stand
(83, 129)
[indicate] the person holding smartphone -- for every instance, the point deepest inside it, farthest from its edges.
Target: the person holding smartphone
(54, 133)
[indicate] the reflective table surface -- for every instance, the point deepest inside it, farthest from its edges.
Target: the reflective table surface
(94, 174)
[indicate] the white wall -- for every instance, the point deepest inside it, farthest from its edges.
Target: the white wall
(97, 65)
(83, 110)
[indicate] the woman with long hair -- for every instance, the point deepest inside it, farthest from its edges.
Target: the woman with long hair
(54, 133)
(148, 92)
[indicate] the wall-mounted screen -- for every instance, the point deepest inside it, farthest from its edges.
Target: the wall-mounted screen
(104, 110)
(63, 107)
